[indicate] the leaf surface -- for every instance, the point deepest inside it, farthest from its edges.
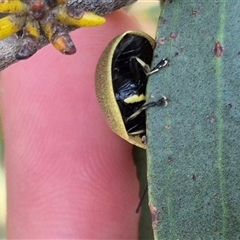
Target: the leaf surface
(194, 147)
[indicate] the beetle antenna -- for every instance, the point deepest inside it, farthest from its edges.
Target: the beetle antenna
(141, 200)
(161, 102)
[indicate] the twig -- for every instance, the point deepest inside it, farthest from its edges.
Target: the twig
(11, 45)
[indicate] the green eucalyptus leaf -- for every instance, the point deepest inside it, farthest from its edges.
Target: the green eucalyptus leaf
(194, 142)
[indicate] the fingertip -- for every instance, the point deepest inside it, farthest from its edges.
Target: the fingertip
(59, 148)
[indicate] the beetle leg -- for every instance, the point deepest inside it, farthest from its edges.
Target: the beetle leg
(10, 25)
(141, 199)
(163, 63)
(161, 102)
(78, 19)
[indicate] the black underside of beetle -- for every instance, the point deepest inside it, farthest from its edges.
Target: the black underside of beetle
(129, 79)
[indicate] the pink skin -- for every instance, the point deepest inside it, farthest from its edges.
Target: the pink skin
(68, 175)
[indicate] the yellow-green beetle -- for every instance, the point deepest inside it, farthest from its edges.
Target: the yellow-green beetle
(121, 78)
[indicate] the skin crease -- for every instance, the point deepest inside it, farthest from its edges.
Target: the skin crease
(68, 175)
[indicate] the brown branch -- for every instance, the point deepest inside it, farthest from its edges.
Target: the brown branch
(11, 45)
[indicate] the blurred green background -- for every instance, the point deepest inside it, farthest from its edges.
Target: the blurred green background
(145, 12)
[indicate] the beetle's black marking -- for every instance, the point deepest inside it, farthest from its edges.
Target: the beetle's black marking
(129, 79)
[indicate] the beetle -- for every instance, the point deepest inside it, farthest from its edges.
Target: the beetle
(120, 81)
